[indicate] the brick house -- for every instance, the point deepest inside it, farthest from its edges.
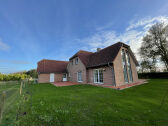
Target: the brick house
(114, 65)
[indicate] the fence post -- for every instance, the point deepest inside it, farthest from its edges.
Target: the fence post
(21, 87)
(2, 102)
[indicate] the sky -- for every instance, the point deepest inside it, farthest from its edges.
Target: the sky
(31, 30)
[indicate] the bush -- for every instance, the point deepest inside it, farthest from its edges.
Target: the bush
(154, 75)
(13, 77)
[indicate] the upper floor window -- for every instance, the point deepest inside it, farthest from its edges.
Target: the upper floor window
(72, 61)
(76, 61)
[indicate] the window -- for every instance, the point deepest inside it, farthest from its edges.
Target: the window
(79, 76)
(124, 66)
(76, 61)
(129, 67)
(98, 76)
(72, 61)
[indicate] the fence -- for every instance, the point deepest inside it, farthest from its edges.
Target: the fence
(14, 93)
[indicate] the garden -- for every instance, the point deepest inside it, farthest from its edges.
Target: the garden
(85, 105)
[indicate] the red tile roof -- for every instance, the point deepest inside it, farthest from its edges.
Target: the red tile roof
(89, 59)
(52, 66)
(102, 57)
(83, 55)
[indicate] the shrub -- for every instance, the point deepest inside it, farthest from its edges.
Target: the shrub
(13, 77)
(154, 75)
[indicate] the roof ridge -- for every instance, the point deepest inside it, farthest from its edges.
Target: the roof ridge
(53, 60)
(84, 51)
(111, 46)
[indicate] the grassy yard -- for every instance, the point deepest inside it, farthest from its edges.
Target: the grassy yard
(9, 107)
(86, 105)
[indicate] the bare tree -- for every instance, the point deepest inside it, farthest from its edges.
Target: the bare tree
(155, 44)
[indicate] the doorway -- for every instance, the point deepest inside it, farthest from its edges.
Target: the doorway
(64, 77)
(51, 77)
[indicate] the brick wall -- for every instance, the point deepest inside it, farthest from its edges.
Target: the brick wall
(45, 78)
(118, 68)
(73, 69)
(58, 77)
(134, 70)
(107, 75)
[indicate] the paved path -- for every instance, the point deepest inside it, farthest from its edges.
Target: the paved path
(61, 84)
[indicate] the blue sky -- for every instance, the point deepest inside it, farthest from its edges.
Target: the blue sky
(31, 30)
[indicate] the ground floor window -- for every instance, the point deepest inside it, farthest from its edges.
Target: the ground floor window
(79, 76)
(98, 76)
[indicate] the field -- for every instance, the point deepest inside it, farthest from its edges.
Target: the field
(86, 105)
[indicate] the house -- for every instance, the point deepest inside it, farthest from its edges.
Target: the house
(114, 65)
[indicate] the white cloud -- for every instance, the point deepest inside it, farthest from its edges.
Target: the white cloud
(146, 22)
(3, 46)
(105, 26)
(132, 35)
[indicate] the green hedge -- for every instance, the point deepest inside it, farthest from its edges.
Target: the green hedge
(153, 75)
(13, 77)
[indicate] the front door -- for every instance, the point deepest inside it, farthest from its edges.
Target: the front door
(51, 77)
(64, 77)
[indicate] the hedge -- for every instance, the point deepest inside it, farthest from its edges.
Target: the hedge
(153, 75)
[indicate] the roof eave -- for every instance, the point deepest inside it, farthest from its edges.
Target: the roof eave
(100, 65)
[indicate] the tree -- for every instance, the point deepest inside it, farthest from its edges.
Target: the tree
(32, 73)
(155, 44)
(147, 65)
(1, 77)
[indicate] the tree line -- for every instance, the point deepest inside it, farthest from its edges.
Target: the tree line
(19, 76)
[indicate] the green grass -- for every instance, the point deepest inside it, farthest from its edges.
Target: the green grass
(86, 105)
(11, 99)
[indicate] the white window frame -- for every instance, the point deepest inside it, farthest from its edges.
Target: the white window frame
(98, 77)
(81, 77)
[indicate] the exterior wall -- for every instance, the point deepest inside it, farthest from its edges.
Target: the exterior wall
(118, 68)
(134, 70)
(58, 77)
(45, 78)
(73, 69)
(107, 75)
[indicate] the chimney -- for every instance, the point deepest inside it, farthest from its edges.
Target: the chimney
(98, 49)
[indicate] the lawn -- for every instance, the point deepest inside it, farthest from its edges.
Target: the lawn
(86, 105)
(12, 98)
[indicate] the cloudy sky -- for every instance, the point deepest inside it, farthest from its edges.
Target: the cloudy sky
(31, 30)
